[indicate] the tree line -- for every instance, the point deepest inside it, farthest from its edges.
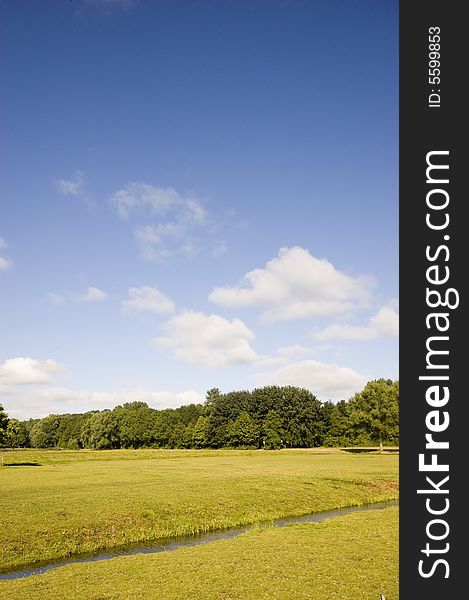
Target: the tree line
(270, 417)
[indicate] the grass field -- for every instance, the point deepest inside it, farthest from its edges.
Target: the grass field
(57, 503)
(345, 558)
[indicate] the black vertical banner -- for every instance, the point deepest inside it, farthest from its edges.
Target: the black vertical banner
(433, 291)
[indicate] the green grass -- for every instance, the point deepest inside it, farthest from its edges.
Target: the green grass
(80, 501)
(354, 557)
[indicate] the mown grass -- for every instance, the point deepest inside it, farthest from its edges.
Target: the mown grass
(83, 501)
(344, 558)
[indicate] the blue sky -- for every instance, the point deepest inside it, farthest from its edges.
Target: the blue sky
(196, 194)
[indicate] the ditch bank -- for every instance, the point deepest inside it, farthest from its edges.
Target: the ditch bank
(175, 543)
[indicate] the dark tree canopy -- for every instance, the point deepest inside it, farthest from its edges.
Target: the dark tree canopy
(3, 425)
(375, 411)
(271, 417)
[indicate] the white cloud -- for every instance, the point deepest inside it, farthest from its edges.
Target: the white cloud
(271, 361)
(296, 285)
(3, 243)
(5, 263)
(295, 351)
(138, 196)
(384, 323)
(148, 299)
(49, 400)
(194, 213)
(386, 320)
(24, 370)
(73, 187)
(327, 381)
(92, 294)
(170, 219)
(284, 356)
(208, 340)
(160, 241)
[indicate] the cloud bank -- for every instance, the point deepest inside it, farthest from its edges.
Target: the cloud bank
(208, 340)
(148, 299)
(296, 285)
(384, 323)
(24, 370)
(327, 381)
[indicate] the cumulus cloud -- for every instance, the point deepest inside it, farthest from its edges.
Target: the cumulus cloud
(327, 381)
(148, 299)
(171, 219)
(24, 370)
(384, 323)
(92, 294)
(285, 355)
(41, 402)
(208, 340)
(296, 285)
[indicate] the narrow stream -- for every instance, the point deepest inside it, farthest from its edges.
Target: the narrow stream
(175, 543)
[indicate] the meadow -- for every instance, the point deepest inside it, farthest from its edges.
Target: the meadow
(345, 558)
(57, 503)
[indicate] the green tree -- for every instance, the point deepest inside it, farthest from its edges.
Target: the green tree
(211, 397)
(45, 432)
(375, 411)
(222, 410)
(244, 431)
(3, 425)
(188, 436)
(177, 435)
(101, 431)
(189, 413)
(199, 435)
(165, 424)
(272, 431)
(17, 434)
(69, 431)
(136, 423)
(338, 431)
(301, 414)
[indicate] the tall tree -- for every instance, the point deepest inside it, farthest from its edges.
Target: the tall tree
(101, 431)
(272, 431)
(338, 431)
(200, 433)
(3, 425)
(375, 411)
(136, 422)
(222, 410)
(45, 432)
(244, 431)
(17, 435)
